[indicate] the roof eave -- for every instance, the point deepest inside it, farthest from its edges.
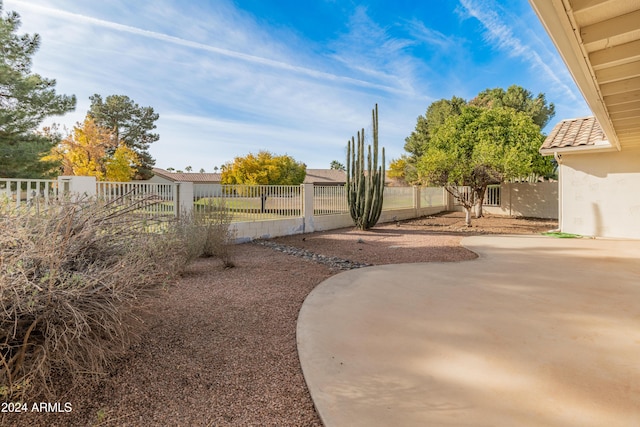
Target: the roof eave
(583, 149)
(558, 22)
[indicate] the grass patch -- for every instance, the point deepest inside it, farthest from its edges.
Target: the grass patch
(561, 235)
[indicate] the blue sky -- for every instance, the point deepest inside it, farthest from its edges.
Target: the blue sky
(292, 77)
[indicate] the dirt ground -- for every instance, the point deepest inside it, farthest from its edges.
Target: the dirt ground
(429, 239)
(488, 224)
(219, 347)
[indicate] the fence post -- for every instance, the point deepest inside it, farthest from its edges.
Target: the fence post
(77, 187)
(307, 208)
(184, 201)
(416, 201)
(447, 200)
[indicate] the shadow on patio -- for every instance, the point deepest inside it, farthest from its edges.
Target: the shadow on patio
(536, 331)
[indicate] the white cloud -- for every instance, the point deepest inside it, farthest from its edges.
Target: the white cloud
(499, 32)
(431, 37)
(257, 60)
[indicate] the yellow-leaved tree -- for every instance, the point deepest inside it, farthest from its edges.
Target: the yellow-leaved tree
(91, 150)
(121, 166)
(264, 168)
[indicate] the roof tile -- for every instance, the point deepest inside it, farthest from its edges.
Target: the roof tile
(188, 177)
(575, 133)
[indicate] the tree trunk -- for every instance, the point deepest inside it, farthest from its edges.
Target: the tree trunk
(480, 192)
(467, 216)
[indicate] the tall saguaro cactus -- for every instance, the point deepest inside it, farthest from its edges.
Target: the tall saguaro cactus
(365, 187)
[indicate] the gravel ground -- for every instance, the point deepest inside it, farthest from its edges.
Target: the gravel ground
(219, 346)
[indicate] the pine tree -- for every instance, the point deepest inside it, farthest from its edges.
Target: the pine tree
(26, 99)
(130, 125)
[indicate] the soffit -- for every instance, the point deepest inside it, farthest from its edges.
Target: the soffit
(599, 41)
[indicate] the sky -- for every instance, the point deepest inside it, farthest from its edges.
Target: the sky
(229, 78)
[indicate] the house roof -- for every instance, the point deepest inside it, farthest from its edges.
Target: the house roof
(575, 135)
(315, 176)
(599, 41)
(325, 176)
(188, 177)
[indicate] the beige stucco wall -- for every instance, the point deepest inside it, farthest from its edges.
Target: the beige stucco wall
(600, 194)
(246, 231)
(533, 200)
(523, 199)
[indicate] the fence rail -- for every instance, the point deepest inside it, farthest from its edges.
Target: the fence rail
(252, 202)
(20, 192)
(154, 199)
(246, 203)
(491, 196)
(330, 200)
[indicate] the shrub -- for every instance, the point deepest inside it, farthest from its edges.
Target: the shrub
(71, 280)
(207, 232)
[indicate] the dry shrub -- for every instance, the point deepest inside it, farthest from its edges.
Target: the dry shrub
(207, 232)
(71, 280)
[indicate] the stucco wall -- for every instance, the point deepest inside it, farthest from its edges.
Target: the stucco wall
(599, 194)
(246, 231)
(539, 200)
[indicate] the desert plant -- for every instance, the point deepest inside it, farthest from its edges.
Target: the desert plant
(72, 278)
(206, 232)
(365, 187)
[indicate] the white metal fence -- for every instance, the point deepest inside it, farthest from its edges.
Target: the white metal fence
(154, 199)
(19, 192)
(330, 200)
(491, 196)
(246, 203)
(252, 202)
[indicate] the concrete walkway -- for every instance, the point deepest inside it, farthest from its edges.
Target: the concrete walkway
(537, 331)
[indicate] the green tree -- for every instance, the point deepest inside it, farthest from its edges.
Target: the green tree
(26, 99)
(264, 168)
(336, 165)
(480, 147)
(520, 99)
(437, 113)
(130, 124)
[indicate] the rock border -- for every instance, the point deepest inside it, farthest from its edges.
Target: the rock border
(332, 262)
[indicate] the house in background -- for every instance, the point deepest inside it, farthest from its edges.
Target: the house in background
(599, 158)
(203, 183)
(325, 177)
(210, 183)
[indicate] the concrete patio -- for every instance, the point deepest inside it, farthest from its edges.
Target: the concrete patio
(537, 331)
